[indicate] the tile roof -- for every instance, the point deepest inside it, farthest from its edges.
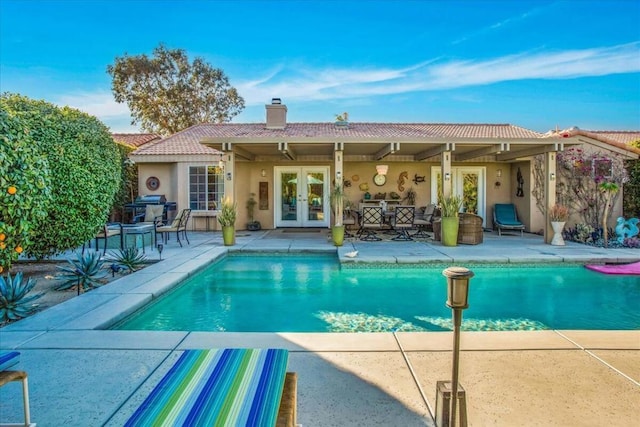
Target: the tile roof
(620, 139)
(135, 139)
(188, 140)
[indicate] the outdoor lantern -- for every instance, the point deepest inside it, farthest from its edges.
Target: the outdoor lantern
(499, 173)
(447, 176)
(263, 173)
(552, 176)
(457, 286)
(382, 169)
(449, 393)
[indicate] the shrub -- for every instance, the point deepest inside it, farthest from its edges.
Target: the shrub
(130, 259)
(85, 172)
(85, 272)
(14, 302)
(559, 213)
(24, 189)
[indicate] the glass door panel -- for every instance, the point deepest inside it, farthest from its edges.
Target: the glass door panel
(302, 197)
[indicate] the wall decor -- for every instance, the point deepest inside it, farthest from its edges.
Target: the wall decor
(153, 183)
(263, 196)
(520, 190)
(402, 179)
(418, 179)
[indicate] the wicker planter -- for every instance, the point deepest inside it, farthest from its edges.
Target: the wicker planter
(470, 230)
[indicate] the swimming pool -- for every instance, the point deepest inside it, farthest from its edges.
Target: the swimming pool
(311, 293)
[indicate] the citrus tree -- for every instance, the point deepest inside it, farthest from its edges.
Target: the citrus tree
(24, 189)
(85, 168)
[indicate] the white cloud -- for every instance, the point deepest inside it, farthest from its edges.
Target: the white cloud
(100, 104)
(304, 84)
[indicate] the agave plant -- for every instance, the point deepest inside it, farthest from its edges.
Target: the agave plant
(85, 272)
(130, 259)
(14, 302)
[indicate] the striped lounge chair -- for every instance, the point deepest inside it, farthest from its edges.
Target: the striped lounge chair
(8, 360)
(226, 387)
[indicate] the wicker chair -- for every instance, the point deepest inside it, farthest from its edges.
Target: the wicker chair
(470, 229)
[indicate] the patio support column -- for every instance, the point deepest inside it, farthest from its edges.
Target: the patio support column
(229, 174)
(445, 160)
(549, 192)
(338, 164)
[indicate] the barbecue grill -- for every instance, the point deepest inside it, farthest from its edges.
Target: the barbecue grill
(139, 206)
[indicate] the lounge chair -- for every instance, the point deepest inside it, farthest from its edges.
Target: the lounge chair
(403, 221)
(179, 225)
(8, 360)
(505, 218)
(248, 387)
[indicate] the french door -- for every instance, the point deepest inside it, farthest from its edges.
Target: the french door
(302, 196)
(468, 183)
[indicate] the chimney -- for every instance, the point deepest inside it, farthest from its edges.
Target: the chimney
(276, 114)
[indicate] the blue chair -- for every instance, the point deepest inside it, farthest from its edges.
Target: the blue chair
(505, 218)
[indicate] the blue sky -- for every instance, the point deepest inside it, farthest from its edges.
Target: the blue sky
(535, 64)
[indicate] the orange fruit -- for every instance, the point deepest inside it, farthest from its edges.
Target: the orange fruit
(3, 245)
(12, 190)
(19, 249)
(2, 237)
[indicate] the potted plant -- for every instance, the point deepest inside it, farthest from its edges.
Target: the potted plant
(449, 207)
(558, 215)
(227, 219)
(337, 204)
(252, 225)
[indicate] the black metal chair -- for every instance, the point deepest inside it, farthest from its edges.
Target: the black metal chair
(372, 220)
(403, 221)
(179, 225)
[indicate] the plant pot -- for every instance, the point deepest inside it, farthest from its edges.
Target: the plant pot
(557, 239)
(229, 235)
(449, 231)
(337, 234)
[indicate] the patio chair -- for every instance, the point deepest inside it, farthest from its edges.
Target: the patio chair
(109, 230)
(423, 220)
(505, 218)
(179, 225)
(372, 220)
(349, 218)
(8, 360)
(232, 386)
(152, 215)
(402, 221)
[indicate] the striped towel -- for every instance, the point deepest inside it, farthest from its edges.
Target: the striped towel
(227, 387)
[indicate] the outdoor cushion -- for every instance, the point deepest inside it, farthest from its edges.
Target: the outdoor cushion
(9, 359)
(217, 387)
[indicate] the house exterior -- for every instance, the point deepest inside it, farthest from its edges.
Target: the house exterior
(290, 168)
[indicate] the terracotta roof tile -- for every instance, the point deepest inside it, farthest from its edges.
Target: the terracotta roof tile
(188, 141)
(135, 139)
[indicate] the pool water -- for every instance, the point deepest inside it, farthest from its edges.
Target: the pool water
(311, 293)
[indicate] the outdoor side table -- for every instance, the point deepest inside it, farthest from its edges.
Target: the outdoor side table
(140, 230)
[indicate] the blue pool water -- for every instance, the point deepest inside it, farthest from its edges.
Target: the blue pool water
(311, 293)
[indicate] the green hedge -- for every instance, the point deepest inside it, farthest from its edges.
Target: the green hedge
(85, 171)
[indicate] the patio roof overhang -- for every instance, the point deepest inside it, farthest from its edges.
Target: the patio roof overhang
(374, 149)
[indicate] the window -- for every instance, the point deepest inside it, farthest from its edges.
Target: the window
(206, 187)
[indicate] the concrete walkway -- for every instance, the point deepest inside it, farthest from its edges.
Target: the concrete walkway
(80, 375)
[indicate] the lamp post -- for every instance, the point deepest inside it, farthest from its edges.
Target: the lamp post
(458, 299)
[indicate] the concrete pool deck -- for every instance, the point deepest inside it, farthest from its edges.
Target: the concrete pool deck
(80, 375)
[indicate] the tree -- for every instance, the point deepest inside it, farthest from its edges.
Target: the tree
(166, 93)
(609, 189)
(24, 189)
(85, 171)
